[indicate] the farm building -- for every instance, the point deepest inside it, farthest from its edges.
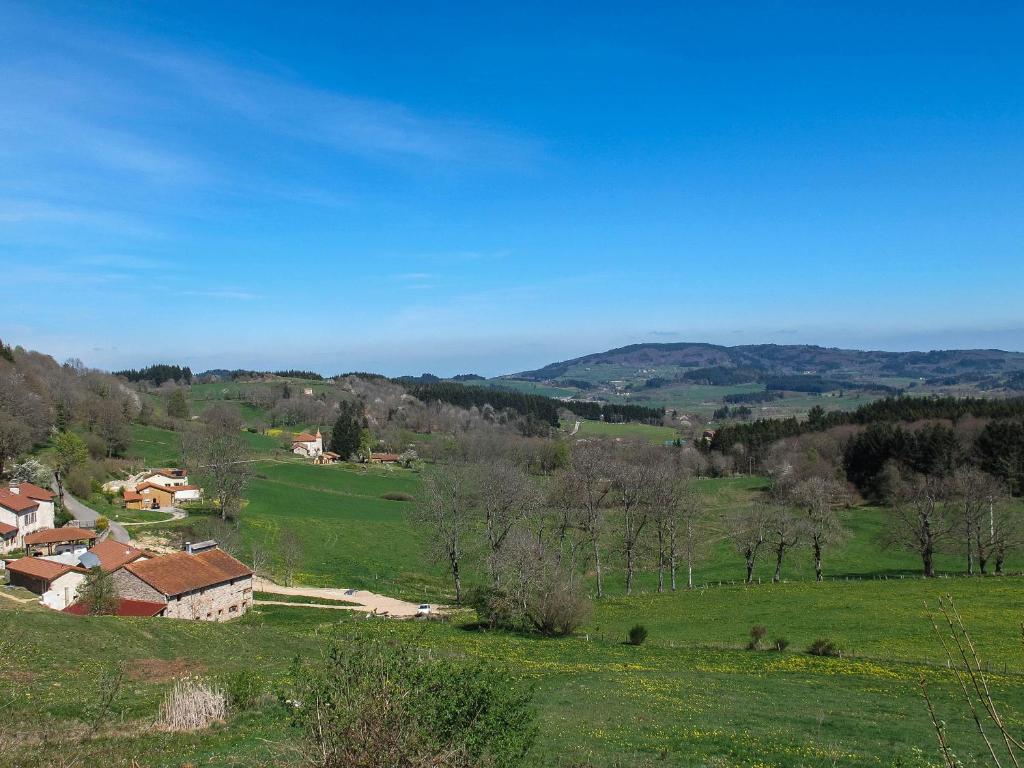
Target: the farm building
(327, 457)
(384, 458)
(207, 585)
(24, 508)
(166, 477)
(310, 446)
(126, 608)
(149, 495)
(56, 583)
(113, 554)
(54, 541)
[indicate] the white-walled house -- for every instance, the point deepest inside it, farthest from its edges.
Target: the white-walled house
(310, 446)
(24, 508)
(55, 582)
(165, 477)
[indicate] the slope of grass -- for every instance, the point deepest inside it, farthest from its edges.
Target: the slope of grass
(590, 428)
(676, 700)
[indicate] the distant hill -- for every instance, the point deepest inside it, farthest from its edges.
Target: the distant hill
(656, 365)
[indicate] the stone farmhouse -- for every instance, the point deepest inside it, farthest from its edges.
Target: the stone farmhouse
(310, 446)
(202, 583)
(24, 508)
(149, 495)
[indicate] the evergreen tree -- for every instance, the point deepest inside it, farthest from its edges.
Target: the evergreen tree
(347, 430)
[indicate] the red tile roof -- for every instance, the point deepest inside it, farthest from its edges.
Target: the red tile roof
(133, 496)
(59, 535)
(114, 554)
(177, 488)
(35, 492)
(48, 570)
(384, 456)
(181, 572)
(7, 530)
(16, 502)
(304, 437)
(124, 608)
(157, 486)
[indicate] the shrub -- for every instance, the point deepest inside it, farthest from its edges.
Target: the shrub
(243, 689)
(637, 634)
(102, 524)
(397, 496)
(757, 633)
(191, 704)
(821, 647)
(780, 644)
(378, 703)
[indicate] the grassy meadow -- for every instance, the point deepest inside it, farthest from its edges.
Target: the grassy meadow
(691, 695)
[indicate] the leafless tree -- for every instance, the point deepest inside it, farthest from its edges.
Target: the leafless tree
(632, 472)
(785, 529)
(289, 549)
(747, 528)
(219, 457)
(681, 522)
(922, 518)
(975, 496)
(445, 511)
(507, 496)
(585, 486)
(819, 499)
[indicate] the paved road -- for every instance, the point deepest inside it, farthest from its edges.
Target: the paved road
(364, 601)
(86, 514)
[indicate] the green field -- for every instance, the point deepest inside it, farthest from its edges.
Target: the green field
(688, 697)
(627, 431)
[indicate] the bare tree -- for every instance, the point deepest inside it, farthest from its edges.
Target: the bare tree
(445, 511)
(289, 549)
(747, 529)
(922, 518)
(585, 486)
(507, 496)
(219, 456)
(819, 499)
(975, 495)
(681, 523)
(631, 473)
(785, 529)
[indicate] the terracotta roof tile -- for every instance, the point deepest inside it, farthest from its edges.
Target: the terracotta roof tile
(35, 492)
(16, 502)
(59, 535)
(113, 554)
(304, 437)
(40, 568)
(181, 572)
(7, 530)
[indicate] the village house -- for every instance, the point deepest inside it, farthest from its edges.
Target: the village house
(202, 583)
(327, 457)
(111, 554)
(150, 495)
(384, 458)
(55, 582)
(24, 508)
(310, 446)
(165, 477)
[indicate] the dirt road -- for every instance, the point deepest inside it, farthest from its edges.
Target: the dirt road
(370, 602)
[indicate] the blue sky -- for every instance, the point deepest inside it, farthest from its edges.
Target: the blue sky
(491, 187)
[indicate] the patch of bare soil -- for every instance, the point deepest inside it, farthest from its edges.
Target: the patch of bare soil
(161, 670)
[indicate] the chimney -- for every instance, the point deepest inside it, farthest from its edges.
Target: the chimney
(15, 488)
(188, 547)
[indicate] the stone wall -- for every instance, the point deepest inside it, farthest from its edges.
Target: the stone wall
(131, 587)
(218, 603)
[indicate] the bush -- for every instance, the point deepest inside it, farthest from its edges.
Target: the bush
(637, 634)
(821, 647)
(244, 689)
(397, 496)
(757, 633)
(191, 704)
(378, 703)
(102, 524)
(780, 644)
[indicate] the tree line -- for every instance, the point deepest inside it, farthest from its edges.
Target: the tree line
(158, 374)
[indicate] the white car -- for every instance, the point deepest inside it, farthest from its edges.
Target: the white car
(423, 610)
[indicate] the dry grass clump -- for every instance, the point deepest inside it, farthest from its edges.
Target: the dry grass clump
(192, 704)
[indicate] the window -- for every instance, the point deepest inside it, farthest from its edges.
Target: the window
(233, 609)
(30, 518)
